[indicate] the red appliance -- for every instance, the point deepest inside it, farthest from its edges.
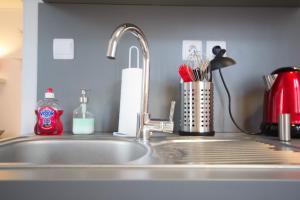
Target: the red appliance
(282, 96)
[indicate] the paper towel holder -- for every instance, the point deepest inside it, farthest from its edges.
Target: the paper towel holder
(137, 56)
(131, 97)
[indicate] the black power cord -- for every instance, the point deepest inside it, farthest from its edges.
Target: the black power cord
(229, 106)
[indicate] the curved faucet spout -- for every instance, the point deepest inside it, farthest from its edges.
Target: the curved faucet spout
(118, 33)
(111, 53)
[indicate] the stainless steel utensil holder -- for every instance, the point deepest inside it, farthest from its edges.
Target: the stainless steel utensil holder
(197, 109)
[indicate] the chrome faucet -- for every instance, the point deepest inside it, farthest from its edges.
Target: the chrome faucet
(145, 125)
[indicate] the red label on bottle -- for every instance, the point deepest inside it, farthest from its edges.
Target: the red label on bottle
(47, 116)
(48, 121)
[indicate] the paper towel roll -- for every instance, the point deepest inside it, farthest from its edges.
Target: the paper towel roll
(130, 102)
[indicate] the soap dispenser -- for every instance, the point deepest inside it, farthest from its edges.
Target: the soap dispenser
(83, 119)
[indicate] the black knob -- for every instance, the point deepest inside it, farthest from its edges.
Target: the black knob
(216, 50)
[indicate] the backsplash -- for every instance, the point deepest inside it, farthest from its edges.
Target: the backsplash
(259, 39)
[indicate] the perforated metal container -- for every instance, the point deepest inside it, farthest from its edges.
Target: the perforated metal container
(197, 108)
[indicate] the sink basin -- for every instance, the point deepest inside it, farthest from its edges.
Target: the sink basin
(63, 151)
(108, 151)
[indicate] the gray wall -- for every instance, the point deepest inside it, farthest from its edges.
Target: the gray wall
(259, 39)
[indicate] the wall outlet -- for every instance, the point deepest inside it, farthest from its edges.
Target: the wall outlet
(189, 46)
(210, 45)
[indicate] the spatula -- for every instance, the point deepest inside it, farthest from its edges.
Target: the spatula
(186, 73)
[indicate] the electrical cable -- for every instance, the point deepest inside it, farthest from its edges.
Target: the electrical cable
(229, 106)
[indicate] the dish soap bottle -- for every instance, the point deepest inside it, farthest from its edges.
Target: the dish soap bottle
(48, 114)
(83, 120)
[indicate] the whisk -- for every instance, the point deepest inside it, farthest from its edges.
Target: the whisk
(201, 67)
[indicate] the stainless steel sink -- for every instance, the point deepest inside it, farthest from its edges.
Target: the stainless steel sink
(66, 151)
(175, 152)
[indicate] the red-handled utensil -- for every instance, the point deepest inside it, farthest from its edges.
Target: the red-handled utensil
(186, 73)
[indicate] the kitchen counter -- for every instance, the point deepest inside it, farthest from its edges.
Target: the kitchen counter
(158, 181)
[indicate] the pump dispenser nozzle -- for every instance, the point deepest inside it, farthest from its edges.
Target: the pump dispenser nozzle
(84, 98)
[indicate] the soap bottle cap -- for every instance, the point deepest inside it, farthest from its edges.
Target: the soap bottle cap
(83, 98)
(49, 94)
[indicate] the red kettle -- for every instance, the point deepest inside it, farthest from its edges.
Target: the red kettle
(282, 96)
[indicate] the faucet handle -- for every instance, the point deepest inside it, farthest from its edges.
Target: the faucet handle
(172, 110)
